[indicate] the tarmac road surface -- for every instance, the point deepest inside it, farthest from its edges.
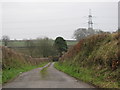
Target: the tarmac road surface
(50, 78)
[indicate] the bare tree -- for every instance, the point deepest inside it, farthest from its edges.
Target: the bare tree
(81, 33)
(45, 47)
(5, 39)
(30, 46)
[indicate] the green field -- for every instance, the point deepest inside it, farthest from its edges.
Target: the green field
(71, 42)
(16, 44)
(21, 43)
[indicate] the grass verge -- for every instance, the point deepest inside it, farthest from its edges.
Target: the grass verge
(9, 74)
(45, 69)
(86, 75)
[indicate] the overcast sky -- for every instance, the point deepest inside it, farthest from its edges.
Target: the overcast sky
(24, 20)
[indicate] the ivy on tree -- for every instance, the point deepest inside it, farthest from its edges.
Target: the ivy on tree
(5, 39)
(61, 45)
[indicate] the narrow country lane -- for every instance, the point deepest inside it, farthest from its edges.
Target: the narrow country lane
(51, 78)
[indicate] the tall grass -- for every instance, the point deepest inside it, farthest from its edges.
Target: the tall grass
(88, 75)
(99, 55)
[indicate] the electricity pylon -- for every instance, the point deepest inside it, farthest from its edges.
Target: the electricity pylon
(90, 22)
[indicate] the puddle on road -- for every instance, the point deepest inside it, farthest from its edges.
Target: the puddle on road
(44, 73)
